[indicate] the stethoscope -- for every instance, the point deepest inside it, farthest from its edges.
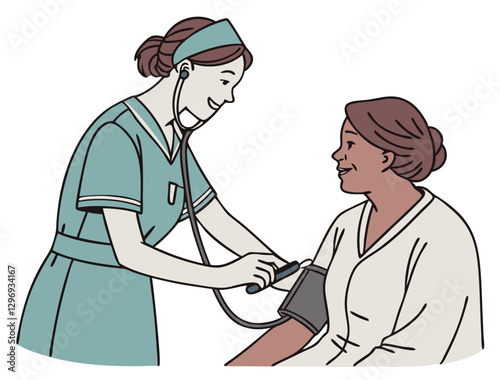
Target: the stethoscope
(253, 288)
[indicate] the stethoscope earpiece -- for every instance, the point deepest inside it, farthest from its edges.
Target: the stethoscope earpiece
(183, 75)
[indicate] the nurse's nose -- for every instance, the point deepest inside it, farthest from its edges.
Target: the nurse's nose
(229, 98)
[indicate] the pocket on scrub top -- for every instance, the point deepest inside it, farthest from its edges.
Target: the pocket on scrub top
(174, 191)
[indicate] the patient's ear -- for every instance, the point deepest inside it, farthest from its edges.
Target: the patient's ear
(387, 160)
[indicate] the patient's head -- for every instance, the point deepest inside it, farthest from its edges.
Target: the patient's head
(386, 134)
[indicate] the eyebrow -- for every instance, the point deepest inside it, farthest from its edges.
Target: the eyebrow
(354, 133)
(228, 71)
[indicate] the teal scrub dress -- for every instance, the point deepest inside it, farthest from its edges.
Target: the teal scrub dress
(83, 306)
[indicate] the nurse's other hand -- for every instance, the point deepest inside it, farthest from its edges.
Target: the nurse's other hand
(253, 268)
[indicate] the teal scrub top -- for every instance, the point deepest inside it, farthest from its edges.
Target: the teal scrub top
(127, 164)
(83, 305)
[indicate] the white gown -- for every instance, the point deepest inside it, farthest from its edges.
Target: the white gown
(413, 298)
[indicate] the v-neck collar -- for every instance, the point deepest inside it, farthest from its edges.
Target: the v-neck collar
(394, 230)
(149, 123)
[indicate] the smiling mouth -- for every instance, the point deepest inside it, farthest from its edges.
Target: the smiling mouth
(212, 104)
(343, 171)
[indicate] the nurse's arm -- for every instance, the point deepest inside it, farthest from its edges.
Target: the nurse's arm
(133, 253)
(235, 237)
(228, 231)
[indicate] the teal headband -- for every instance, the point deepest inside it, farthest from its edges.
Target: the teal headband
(212, 36)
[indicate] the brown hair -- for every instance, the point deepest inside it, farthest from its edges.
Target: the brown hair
(154, 56)
(394, 124)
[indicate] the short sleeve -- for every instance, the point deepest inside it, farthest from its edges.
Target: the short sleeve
(111, 176)
(201, 190)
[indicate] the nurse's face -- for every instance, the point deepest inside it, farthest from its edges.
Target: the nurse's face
(360, 164)
(208, 88)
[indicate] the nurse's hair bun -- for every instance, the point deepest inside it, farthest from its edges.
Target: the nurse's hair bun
(395, 125)
(147, 57)
(154, 56)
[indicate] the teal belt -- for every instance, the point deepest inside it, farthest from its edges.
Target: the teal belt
(92, 252)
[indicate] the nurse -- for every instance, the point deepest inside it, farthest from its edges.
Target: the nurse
(396, 280)
(95, 286)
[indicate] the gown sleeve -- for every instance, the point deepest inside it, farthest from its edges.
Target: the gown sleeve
(306, 301)
(326, 250)
(111, 175)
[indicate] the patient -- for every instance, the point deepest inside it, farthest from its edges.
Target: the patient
(396, 279)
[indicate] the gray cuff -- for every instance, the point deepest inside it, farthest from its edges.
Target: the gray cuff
(306, 300)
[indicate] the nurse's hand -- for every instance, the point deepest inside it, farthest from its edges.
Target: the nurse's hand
(253, 268)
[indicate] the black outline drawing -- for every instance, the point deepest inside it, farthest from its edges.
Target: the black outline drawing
(424, 143)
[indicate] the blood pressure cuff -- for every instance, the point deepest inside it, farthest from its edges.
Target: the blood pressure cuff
(306, 300)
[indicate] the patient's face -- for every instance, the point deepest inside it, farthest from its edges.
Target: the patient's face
(360, 164)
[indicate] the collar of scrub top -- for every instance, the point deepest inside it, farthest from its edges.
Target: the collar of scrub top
(218, 34)
(149, 123)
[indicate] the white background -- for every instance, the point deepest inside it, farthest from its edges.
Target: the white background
(64, 63)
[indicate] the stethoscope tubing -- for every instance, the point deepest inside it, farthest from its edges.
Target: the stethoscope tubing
(186, 133)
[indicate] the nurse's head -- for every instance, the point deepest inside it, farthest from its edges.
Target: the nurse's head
(211, 53)
(386, 139)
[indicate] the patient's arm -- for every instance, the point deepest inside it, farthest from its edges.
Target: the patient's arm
(305, 305)
(277, 344)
